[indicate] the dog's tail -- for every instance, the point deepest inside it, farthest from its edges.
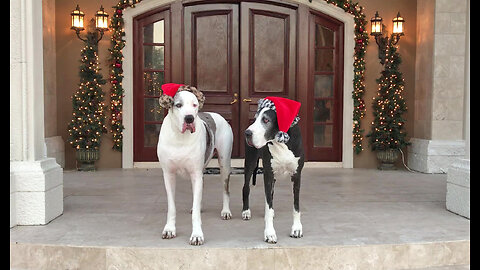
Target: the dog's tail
(255, 171)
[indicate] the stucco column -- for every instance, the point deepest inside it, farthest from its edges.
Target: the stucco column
(439, 133)
(54, 142)
(458, 176)
(36, 182)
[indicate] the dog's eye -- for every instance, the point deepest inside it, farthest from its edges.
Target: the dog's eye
(265, 120)
(195, 105)
(178, 105)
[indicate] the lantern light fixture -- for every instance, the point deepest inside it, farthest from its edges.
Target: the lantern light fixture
(381, 38)
(377, 25)
(77, 19)
(398, 25)
(101, 22)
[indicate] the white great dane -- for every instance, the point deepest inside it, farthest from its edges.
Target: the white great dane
(186, 144)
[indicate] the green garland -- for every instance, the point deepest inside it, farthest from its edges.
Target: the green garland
(116, 77)
(361, 41)
(116, 73)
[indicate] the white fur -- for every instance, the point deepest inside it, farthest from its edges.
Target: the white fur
(297, 229)
(184, 153)
(246, 214)
(189, 106)
(284, 163)
(258, 131)
(269, 233)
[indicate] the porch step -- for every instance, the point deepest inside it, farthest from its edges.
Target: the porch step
(450, 267)
(448, 255)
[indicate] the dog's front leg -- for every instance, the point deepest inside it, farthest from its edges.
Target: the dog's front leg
(251, 166)
(169, 231)
(297, 230)
(197, 185)
(270, 236)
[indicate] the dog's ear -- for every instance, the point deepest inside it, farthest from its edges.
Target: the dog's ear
(165, 101)
(199, 95)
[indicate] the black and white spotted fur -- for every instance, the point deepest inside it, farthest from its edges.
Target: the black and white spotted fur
(281, 161)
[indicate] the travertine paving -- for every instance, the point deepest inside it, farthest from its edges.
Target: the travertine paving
(341, 208)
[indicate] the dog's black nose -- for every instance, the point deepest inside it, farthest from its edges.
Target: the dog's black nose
(248, 133)
(189, 119)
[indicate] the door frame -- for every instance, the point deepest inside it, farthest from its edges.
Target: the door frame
(333, 152)
(176, 7)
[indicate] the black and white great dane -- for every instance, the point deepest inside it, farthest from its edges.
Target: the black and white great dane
(280, 160)
(186, 144)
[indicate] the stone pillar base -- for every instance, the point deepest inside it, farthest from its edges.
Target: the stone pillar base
(36, 191)
(56, 149)
(458, 188)
(434, 156)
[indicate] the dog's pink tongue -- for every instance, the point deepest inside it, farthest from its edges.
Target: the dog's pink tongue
(190, 127)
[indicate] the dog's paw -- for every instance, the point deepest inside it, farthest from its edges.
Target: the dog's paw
(296, 232)
(270, 236)
(168, 234)
(226, 214)
(196, 239)
(246, 215)
(169, 231)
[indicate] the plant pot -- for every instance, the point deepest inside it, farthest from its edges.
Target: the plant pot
(86, 159)
(387, 159)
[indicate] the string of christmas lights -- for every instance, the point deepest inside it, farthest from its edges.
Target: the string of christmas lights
(387, 130)
(88, 116)
(116, 73)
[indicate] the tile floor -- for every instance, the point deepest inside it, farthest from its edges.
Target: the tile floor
(127, 208)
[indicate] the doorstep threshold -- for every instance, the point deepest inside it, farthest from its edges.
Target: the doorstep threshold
(238, 162)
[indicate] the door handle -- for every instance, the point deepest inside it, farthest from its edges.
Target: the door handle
(247, 100)
(235, 95)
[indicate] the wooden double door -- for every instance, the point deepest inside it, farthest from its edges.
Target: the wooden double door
(237, 53)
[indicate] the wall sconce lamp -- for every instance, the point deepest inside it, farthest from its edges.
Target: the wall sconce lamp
(101, 22)
(382, 39)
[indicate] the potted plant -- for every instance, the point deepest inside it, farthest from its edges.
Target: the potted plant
(88, 116)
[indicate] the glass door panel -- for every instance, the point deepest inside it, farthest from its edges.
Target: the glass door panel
(150, 72)
(324, 138)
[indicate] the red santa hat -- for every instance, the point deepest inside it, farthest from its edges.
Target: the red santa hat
(170, 89)
(287, 114)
